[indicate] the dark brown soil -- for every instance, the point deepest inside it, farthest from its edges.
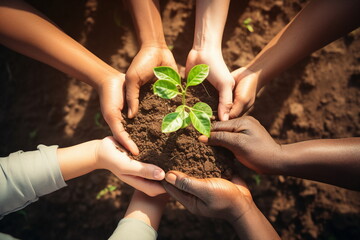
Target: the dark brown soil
(318, 98)
(179, 150)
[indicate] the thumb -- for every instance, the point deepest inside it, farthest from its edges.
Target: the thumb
(227, 140)
(143, 170)
(132, 94)
(225, 102)
(191, 185)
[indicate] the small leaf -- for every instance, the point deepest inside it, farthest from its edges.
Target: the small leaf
(171, 122)
(184, 116)
(168, 74)
(201, 106)
(165, 89)
(201, 121)
(197, 75)
(247, 21)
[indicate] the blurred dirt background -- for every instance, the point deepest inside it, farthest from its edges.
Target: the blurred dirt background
(317, 98)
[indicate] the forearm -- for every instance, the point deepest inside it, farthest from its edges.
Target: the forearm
(319, 23)
(209, 25)
(148, 24)
(78, 160)
(147, 209)
(29, 32)
(333, 161)
(253, 225)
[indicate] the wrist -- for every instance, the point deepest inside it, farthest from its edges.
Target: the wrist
(206, 42)
(154, 44)
(240, 218)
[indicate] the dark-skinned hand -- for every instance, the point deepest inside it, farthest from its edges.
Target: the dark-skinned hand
(251, 144)
(211, 197)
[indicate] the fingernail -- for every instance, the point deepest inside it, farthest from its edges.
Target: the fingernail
(226, 116)
(170, 178)
(129, 113)
(203, 139)
(159, 174)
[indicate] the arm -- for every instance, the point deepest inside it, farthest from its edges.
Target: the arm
(334, 161)
(25, 176)
(318, 24)
(209, 27)
(216, 197)
(142, 217)
(153, 50)
(107, 154)
(27, 31)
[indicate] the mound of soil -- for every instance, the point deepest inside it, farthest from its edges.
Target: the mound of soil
(179, 150)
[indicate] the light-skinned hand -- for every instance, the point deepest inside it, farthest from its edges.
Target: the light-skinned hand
(246, 87)
(110, 155)
(141, 72)
(219, 76)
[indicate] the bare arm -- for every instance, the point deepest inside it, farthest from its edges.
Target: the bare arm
(318, 24)
(153, 50)
(334, 161)
(29, 32)
(209, 27)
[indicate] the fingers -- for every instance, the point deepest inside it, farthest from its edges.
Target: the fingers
(227, 140)
(186, 199)
(149, 187)
(132, 94)
(183, 182)
(225, 102)
(120, 134)
(144, 170)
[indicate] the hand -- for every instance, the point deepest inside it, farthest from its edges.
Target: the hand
(211, 197)
(109, 155)
(112, 102)
(141, 71)
(250, 142)
(219, 77)
(245, 91)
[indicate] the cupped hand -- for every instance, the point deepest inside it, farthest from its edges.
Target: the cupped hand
(219, 77)
(251, 144)
(246, 87)
(141, 71)
(211, 197)
(111, 93)
(111, 156)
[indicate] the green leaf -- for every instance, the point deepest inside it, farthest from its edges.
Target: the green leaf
(168, 74)
(171, 122)
(201, 121)
(165, 89)
(184, 116)
(201, 106)
(197, 75)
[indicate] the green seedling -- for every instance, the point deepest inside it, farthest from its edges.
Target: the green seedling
(169, 86)
(257, 179)
(247, 24)
(103, 192)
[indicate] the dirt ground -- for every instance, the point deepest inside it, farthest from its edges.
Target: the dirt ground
(317, 98)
